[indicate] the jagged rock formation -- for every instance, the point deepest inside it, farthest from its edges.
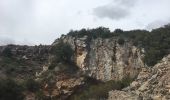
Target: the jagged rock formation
(105, 59)
(63, 88)
(59, 85)
(151, 84)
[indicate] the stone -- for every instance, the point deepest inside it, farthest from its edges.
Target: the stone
(152, 86)
(105, 59)
(143, 87)
(120, 95)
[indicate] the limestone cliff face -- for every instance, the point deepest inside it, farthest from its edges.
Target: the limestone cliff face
(105, 59)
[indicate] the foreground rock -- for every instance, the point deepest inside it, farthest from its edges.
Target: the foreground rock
(151, 84)
(121, 95)
(63, 88)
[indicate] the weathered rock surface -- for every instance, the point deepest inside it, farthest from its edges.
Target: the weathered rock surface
(121, 95)
(105, 59)
(63, 87)
(151, 84)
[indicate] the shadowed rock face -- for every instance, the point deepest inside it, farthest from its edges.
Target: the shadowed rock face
(105, 59)
(151, 84)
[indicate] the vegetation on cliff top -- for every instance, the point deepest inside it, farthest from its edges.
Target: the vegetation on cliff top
(156, 43)
(14, 90)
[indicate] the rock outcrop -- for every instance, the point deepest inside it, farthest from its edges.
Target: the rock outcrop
(105, 59)
(60, 85)
(151, 84)
(121, 95)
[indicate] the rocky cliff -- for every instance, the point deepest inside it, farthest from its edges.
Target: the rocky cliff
(151, 84)
(105, 59)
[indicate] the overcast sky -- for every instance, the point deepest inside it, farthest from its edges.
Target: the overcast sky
(42, 21)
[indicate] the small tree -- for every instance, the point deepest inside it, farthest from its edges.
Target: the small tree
(121, 41)
(118, 31)
(32, 86)
(62, 52)
(10, 90)
(7, 52)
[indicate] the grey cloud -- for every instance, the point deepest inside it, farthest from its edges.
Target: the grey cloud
(127, 3)
(5, 41)
(42, 21)
(116, 10)
(157, 24)
(110, 12)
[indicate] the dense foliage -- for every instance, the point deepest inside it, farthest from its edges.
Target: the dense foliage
(31, 85)
(14, 90)
(92, 33)
(62, 57)
(63, 52)
(156, 43)
(7, 52)
(10, 90)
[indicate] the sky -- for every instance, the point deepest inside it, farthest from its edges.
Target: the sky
(34, 22)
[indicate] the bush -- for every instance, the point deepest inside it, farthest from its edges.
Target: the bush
(62, 52)
(31, 85)
(10, 90)
(40, 96)
(121, 41)
(118, 31)
(99, 91)
(7, 52)
(52, 65)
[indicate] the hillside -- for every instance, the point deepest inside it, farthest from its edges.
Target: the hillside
(151, 84)
(87, 64)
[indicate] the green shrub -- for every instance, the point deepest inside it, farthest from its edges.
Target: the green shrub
(121, 41)
(99, 91)
(118, 31)
(39, 95)
(62, 52)
(10, 90)
(7, 52)
(52, 65)
(62, 57)
(31, 85)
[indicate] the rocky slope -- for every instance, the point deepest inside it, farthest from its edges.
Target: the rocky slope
(151, 84)
(102, 59)
(22, 61)
(105, 59)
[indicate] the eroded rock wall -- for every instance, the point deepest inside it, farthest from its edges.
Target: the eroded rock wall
(105, 59)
